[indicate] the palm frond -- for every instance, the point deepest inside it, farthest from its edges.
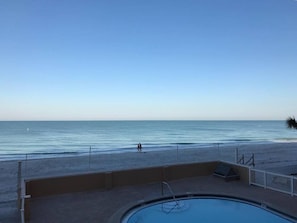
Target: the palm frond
(291, 123)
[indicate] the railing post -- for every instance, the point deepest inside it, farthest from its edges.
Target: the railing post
(250, 174)
(19, 183)
(90, 151)
(25, 174)
(219, 151)
(265, 180)
(177, 151)
(292, 186)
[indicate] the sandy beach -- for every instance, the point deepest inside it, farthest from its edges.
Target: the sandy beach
(275, 157)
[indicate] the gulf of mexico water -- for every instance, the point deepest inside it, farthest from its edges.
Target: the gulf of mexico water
(38, 139)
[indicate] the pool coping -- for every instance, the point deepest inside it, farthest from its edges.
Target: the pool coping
(119, 216)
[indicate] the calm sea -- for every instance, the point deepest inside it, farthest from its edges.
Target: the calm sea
(60, 138)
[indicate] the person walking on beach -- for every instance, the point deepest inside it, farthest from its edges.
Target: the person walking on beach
(139, 147)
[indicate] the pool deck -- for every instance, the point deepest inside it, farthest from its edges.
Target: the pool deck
(107, 206)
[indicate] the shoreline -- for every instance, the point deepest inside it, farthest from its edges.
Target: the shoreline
(146, 148)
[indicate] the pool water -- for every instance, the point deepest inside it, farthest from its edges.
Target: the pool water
(206, 210)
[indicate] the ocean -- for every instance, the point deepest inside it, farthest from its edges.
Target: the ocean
(38, 139)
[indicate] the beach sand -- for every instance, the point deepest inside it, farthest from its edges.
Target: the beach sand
(276, 157)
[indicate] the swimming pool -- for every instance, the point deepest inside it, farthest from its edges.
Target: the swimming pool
(204, 209)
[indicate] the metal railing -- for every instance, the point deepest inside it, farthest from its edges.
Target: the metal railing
(23, 197)
(168, 207)
(274, 181)
(249, 162)
(170, 190)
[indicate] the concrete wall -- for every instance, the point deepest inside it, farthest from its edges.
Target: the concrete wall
(108, 180)
(66, 184)
(242, 171)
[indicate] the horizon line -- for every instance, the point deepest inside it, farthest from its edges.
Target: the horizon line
(109, 120)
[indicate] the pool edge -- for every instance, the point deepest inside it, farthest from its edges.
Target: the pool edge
(119, 216)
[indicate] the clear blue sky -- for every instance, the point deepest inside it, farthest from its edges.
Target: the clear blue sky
(148, 59)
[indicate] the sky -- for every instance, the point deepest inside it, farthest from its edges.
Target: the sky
(148, 59)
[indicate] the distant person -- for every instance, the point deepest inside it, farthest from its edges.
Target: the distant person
(139, 147)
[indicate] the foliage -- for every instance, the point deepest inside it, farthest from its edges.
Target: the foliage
(291, 123)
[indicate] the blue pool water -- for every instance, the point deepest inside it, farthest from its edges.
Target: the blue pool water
(206, 210)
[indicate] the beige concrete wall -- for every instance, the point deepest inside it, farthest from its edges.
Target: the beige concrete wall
(66, 184)
(188, 170)
(108, 180)
(137, 176)
(242, 171)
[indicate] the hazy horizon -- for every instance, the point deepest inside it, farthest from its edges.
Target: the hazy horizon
(140, 120)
